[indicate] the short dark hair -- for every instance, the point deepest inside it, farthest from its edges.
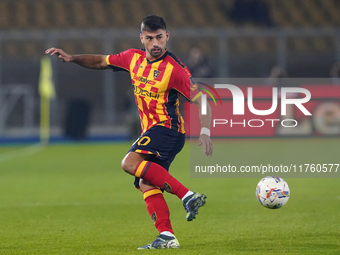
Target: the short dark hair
(153, 23)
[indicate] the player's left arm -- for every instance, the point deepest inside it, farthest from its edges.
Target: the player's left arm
(187, 86)
(204, 138)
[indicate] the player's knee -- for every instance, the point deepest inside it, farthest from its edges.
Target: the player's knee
(145, 185)
(131, 161)
(127, 166)
(141, 185)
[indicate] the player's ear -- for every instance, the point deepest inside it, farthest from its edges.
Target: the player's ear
(141, 38)
(167, 34)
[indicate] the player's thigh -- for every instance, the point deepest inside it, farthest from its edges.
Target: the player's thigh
(159, 142)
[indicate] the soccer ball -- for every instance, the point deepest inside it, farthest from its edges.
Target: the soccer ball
(272, 192)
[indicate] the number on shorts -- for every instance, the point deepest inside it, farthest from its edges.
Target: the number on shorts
(144, 141)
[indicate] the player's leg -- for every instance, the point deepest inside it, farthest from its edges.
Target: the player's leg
(160, 215)
(164, 144)
(160, 177)
(155, 174)
(157, 207)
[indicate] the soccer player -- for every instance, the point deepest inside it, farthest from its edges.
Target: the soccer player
(158, 78)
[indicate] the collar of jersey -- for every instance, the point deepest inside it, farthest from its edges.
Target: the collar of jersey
(159, 58)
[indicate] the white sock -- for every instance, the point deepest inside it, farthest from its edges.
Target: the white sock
(189, 193)
(167, 233)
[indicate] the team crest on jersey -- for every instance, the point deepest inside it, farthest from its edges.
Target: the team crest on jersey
(156, 73)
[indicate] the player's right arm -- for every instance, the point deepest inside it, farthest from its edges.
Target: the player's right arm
(85, 60)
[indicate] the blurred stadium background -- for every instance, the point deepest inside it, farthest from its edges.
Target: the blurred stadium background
(302, 37)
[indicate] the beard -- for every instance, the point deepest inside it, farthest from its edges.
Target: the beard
(156, 52)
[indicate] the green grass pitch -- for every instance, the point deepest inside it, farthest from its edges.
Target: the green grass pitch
(75, 199)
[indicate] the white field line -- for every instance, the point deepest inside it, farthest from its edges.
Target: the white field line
(23, 152)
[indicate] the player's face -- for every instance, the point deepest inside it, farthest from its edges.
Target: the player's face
(154, 42)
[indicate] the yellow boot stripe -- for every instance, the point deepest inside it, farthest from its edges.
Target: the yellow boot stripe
(151, 192)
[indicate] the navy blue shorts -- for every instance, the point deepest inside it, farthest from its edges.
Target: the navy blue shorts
(161, 143)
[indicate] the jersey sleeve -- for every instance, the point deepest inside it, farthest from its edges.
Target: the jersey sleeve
(119, 61)
(185, 84)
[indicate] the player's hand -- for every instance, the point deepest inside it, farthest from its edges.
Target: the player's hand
(63, 56)
(207, 144)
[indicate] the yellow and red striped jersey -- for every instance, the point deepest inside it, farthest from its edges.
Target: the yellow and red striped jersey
(157, 86)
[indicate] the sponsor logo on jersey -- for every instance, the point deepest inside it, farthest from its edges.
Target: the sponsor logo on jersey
(143, 80)
(145, 93)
